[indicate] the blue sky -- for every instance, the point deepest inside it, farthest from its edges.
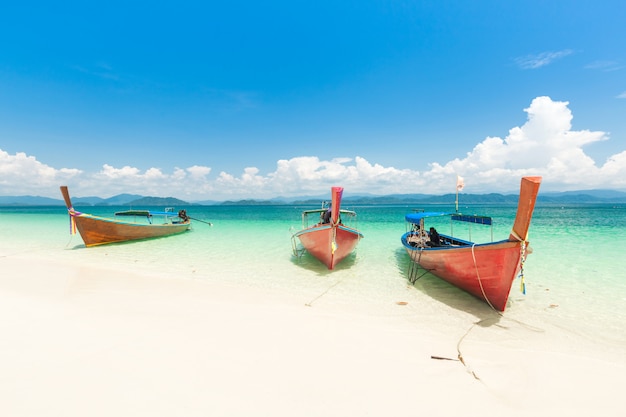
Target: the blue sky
(242, 99)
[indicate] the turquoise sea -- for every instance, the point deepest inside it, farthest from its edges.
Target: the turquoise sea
(575, 277)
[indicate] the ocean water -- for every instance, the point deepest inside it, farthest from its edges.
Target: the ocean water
(575, 277)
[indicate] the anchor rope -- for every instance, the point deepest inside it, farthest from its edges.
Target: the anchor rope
(310, 303)
(521, 267)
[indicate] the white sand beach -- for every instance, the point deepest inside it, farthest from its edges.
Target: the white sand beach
(87, 341)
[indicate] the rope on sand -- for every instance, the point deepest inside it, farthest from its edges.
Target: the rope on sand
(69, 241)
(460, 355)
(310, 303)
(458, 345)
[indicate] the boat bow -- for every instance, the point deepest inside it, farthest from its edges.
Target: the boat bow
(330, 240)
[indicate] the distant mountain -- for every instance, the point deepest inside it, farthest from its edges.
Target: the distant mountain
(568, 197)
(603, 194)
(121, 199)
(118, 200)
(588, 196)
(157, 201)
(409, 199)
(87, 201)
(28, 200)
(206, 202)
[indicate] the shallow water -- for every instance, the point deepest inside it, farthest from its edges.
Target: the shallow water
(575, 277)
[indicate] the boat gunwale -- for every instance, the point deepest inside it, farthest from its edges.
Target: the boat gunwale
(467, 244)
(126, 222)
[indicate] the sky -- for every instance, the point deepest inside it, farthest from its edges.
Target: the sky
(214, 100)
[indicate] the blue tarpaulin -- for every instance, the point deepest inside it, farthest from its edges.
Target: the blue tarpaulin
(416, 217)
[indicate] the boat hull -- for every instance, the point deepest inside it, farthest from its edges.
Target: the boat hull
(486, 271)
(99, 230)
(329, 244)
(330, 241)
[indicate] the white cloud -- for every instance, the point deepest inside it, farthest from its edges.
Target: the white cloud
(614, 169)
(198, 171)
(542, 59)
(544, 145)
(605, 66)
(249, 185)
(623, 95)
(118, 173)
(310, 174)
(24, 175)
(180, 174)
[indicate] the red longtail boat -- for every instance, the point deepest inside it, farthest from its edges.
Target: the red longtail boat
(97, 230)
(329, 239)
(485, 270)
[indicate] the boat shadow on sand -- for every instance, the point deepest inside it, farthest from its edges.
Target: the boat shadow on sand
(311, 263)
(446, 293)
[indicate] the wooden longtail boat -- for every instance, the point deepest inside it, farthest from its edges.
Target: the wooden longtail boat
(102, 230)
(329, 240)
(485, 270)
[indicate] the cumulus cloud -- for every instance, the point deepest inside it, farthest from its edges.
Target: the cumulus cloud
(309, 173)
(199, 172)
(21, 174)
(544, 145)
(249, 184)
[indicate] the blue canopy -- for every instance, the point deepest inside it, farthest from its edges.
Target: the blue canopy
(472, 219)
(416, 217)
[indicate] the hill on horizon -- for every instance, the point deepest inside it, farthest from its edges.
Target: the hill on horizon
(569, 197)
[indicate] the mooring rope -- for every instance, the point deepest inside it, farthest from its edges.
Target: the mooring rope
(310, 303)
(501, 316)
(460, 355)
(522, 259)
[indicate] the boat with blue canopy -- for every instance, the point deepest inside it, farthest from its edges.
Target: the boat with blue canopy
(485, 270)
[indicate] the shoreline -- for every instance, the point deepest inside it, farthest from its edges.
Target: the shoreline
(82, 340)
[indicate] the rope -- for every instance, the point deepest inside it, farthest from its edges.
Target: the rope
(460, 356)
(310, 303)
(69, 241)
(458, 345)
(521, 268)
(73, 214)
